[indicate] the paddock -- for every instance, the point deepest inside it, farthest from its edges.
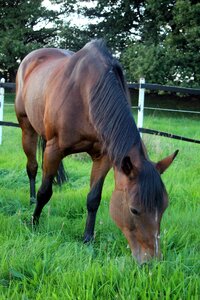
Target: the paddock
(55, 255)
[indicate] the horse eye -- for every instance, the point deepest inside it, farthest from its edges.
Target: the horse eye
(135, 211)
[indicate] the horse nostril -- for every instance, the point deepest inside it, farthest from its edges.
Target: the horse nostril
(142, 257)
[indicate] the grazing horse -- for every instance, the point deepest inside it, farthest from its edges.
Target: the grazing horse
(78, 102)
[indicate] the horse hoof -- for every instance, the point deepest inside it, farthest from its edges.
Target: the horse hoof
(34, 222)
(32, 200)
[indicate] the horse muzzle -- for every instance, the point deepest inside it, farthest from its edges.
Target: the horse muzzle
(144, 255)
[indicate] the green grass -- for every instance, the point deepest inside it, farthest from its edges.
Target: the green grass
(53, 263)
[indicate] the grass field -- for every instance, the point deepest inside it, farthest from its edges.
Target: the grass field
(53, 263)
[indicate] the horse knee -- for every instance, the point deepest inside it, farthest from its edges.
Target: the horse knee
(44, 196)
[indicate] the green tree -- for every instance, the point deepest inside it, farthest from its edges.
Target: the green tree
(156, 39)
(73, 37)
(114, 20)
(23, 28)
(168, 49)
(140, 60)
(183, 43)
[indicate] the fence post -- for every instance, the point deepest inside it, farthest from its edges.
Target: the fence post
(1, 107)
(141, 105)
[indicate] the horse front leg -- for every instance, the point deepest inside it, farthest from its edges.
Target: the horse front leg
(100, 168)
(52, 159)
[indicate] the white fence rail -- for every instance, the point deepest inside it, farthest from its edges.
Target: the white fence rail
(141, 99)
(2, 91)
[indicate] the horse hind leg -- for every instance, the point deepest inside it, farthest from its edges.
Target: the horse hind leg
(29, 142)
(51, 162)
(61, 175)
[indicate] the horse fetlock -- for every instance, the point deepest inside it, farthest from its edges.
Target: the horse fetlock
(89, 228)
(32, 200)
(88, 237)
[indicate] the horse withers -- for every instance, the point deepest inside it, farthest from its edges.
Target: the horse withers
(78, 102)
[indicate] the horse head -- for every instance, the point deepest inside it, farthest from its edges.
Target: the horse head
(138, 203)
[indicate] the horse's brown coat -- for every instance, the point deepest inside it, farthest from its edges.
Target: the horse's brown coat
(54, 100)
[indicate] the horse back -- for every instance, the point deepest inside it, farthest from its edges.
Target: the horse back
(31, 81)
(36, 59)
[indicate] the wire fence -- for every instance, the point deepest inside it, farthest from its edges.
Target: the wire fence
(141, 86)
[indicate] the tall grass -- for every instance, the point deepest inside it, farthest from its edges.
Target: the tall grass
(52, 262)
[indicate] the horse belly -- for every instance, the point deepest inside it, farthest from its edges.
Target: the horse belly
(74, 131)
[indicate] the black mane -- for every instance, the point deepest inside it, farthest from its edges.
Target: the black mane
(112, 117)
(151, 187)
(110, 109)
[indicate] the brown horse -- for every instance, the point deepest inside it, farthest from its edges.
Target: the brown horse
(78, 102)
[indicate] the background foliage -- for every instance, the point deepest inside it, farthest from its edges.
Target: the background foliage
(157, 39)
(20, 33)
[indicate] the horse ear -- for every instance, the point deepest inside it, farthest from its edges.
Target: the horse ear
(128, 168)
(162, 165)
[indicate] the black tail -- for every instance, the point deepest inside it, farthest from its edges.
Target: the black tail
(61, 176)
